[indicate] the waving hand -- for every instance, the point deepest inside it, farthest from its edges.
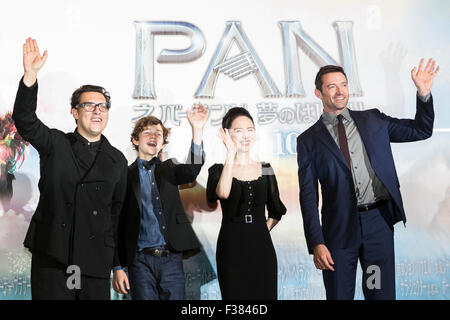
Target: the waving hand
(423, 78)
(32, 61)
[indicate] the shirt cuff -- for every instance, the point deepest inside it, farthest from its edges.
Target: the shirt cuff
(23, 85)
(197, 149)
(424, 99)
(117, 268)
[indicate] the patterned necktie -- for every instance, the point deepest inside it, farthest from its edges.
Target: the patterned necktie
(343, 140)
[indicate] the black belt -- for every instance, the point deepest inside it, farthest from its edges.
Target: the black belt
(247, 218)
(367, 207)
(157, 252)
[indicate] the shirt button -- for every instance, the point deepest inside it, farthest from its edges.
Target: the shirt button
(251, 194)
(97, 188)
(157, 198)
(164, 227)
(248, 209)
(94, 212)
(160, 213)
(91, 237)
(249, 202)
(153, 183)
(250, 188)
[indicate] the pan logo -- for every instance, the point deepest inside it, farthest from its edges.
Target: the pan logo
(238, 66)
(245, 63)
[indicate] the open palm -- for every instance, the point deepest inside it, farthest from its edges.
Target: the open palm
(32, 59)
(423, 78)
(197, 116)
(229, 143)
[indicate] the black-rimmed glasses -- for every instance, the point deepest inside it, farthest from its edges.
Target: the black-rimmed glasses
(90, 106)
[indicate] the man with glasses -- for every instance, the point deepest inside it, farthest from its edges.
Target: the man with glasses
(72, 234)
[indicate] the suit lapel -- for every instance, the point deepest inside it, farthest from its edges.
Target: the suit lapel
(363, 129)
(368, 130)
(158, 174)
(326, 138)
(135, 183)
(81, 152)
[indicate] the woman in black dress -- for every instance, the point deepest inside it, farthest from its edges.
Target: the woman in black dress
(246, 259)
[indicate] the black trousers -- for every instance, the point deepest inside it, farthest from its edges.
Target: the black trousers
(49, 282)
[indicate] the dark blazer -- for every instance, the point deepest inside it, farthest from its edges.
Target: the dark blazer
(76, 219)
(168, 175)
(320, 160)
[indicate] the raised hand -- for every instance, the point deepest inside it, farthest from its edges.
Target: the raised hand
(224, 135)
(32, 61)
(423, 79)
(197, 116)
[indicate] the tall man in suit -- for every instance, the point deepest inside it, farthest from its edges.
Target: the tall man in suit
(82, 187)
(154, 231)
(349, 153)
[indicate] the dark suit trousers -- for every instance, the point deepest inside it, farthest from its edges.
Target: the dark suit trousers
(375, 251)
(49, 282)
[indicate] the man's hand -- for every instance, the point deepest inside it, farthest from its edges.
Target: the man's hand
(423, 79)
(120, 282)
(197, 117)
(32, 61)
(322, 258)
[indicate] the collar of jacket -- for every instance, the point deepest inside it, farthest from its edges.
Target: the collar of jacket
(104, 146)
(133, 179)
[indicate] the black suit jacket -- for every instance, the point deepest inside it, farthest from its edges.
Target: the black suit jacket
(76, 219)
(168, 175)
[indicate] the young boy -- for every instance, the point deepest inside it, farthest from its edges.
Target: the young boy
(154, 231)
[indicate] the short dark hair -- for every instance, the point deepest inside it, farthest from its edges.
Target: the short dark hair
(323, 71)
(232, 114)
(143, 123)
(76, 95)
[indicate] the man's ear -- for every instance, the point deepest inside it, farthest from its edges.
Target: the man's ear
(75, 113)
(318, 93)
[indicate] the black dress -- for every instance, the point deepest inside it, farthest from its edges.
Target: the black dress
(246, 259)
